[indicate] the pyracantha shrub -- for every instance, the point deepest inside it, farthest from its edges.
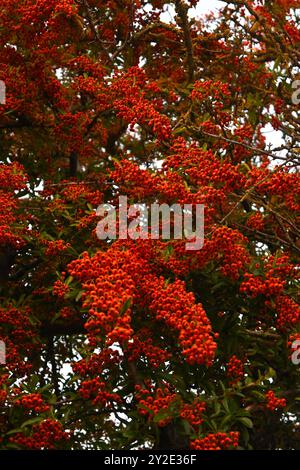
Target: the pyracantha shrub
(138, 343)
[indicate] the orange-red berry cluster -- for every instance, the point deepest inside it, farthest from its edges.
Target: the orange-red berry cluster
(32, 401)
(235, 369)
(217, 441)
(48, 434)
(60, 289)
(56, 247)
(274, 403)
(193, 413)
(94, 389)
(175, 306)
(154, 402)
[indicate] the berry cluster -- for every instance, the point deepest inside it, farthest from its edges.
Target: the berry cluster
(159, 401)
(97, 363)
(217, 441)
(55, 247)
(193, 413)
(60, 289)
(94, 390)
(274, 403)
(235, 369)
(32, 401)
(257, 285)
(46, 435)
(132, 105)
(287, 312)
(142, 346)
(173, 305)
(16, 331)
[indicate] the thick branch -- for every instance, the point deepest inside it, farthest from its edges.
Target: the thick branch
(182, 12)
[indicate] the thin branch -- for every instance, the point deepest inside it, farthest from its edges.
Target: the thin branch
(247, 146)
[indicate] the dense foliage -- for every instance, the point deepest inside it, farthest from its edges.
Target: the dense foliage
(141, 343)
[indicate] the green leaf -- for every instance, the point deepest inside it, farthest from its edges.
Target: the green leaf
(126, 306)
(225, 405)
(14, 431)
(69, 280)
(246, 422)
(159, 416)
(78, 296)
(35, 420)
(217, 407)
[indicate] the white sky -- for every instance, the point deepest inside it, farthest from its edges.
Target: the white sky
(205, 6)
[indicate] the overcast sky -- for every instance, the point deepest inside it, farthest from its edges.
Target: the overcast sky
(205, 6)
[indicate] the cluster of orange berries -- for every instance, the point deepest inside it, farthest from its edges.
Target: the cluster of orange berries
(142, 346)
(83, 64)
(97, 362)
(193, 413)
(105, 300)
(164, 402)
(12, 179)
(228, 247)
(132, 105)
(278, 271)
(79, 190)
(107, 289)
(159, 401)
(31, 13)
(281, 267)
(112, 280)
(3, 388)
(94, 389)
(280, 184)
(12, 176)
(55, 247)
(217, 91)
(217, 441)
(60, 289)
(257, 285)
(235, 369)
(177, 308)
(127, 172)
(68, 7)
(143, 112)
(256, 221)
(274, 403)
(17, 330)
(69, 130)
(67, 313)
(293, 337)
(47, 435)
(293, 31)
(287, 310)
(203, 168)
(32, 401)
